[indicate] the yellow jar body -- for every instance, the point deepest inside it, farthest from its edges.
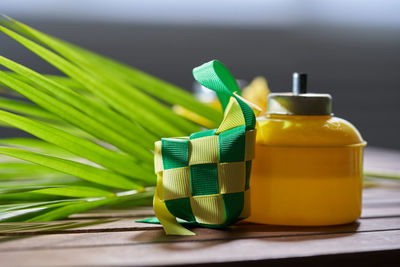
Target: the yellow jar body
(307, 171)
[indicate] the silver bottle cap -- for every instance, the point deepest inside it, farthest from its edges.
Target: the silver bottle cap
(299, 102)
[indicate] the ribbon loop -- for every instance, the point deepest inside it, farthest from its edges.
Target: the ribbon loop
(215, 76)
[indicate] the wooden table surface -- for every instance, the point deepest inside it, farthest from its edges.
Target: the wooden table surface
(114, 238)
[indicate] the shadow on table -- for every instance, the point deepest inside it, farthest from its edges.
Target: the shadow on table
(244, 230)
(296, 233)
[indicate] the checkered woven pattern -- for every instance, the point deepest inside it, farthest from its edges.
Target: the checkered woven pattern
(204, 178)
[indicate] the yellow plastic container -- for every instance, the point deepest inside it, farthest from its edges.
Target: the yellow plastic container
(308, 165)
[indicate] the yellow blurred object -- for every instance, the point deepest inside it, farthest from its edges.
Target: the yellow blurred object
(193, 116)
(257, 92)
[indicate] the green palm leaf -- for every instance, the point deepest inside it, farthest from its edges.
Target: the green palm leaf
(84, 104)
(25, 108)
(83, 171)
(94, 130)
(81, 147)
(152, 85)
(153, 116)
(73, 116)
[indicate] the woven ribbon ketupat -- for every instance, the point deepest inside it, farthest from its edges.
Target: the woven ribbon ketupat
(204, 178)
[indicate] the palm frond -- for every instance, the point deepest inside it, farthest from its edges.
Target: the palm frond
(93, 129)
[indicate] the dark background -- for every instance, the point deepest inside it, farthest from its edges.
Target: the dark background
(359, 65)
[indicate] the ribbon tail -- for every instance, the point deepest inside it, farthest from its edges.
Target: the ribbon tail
(167, 220)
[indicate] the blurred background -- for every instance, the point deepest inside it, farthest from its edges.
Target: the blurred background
(349, 48)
